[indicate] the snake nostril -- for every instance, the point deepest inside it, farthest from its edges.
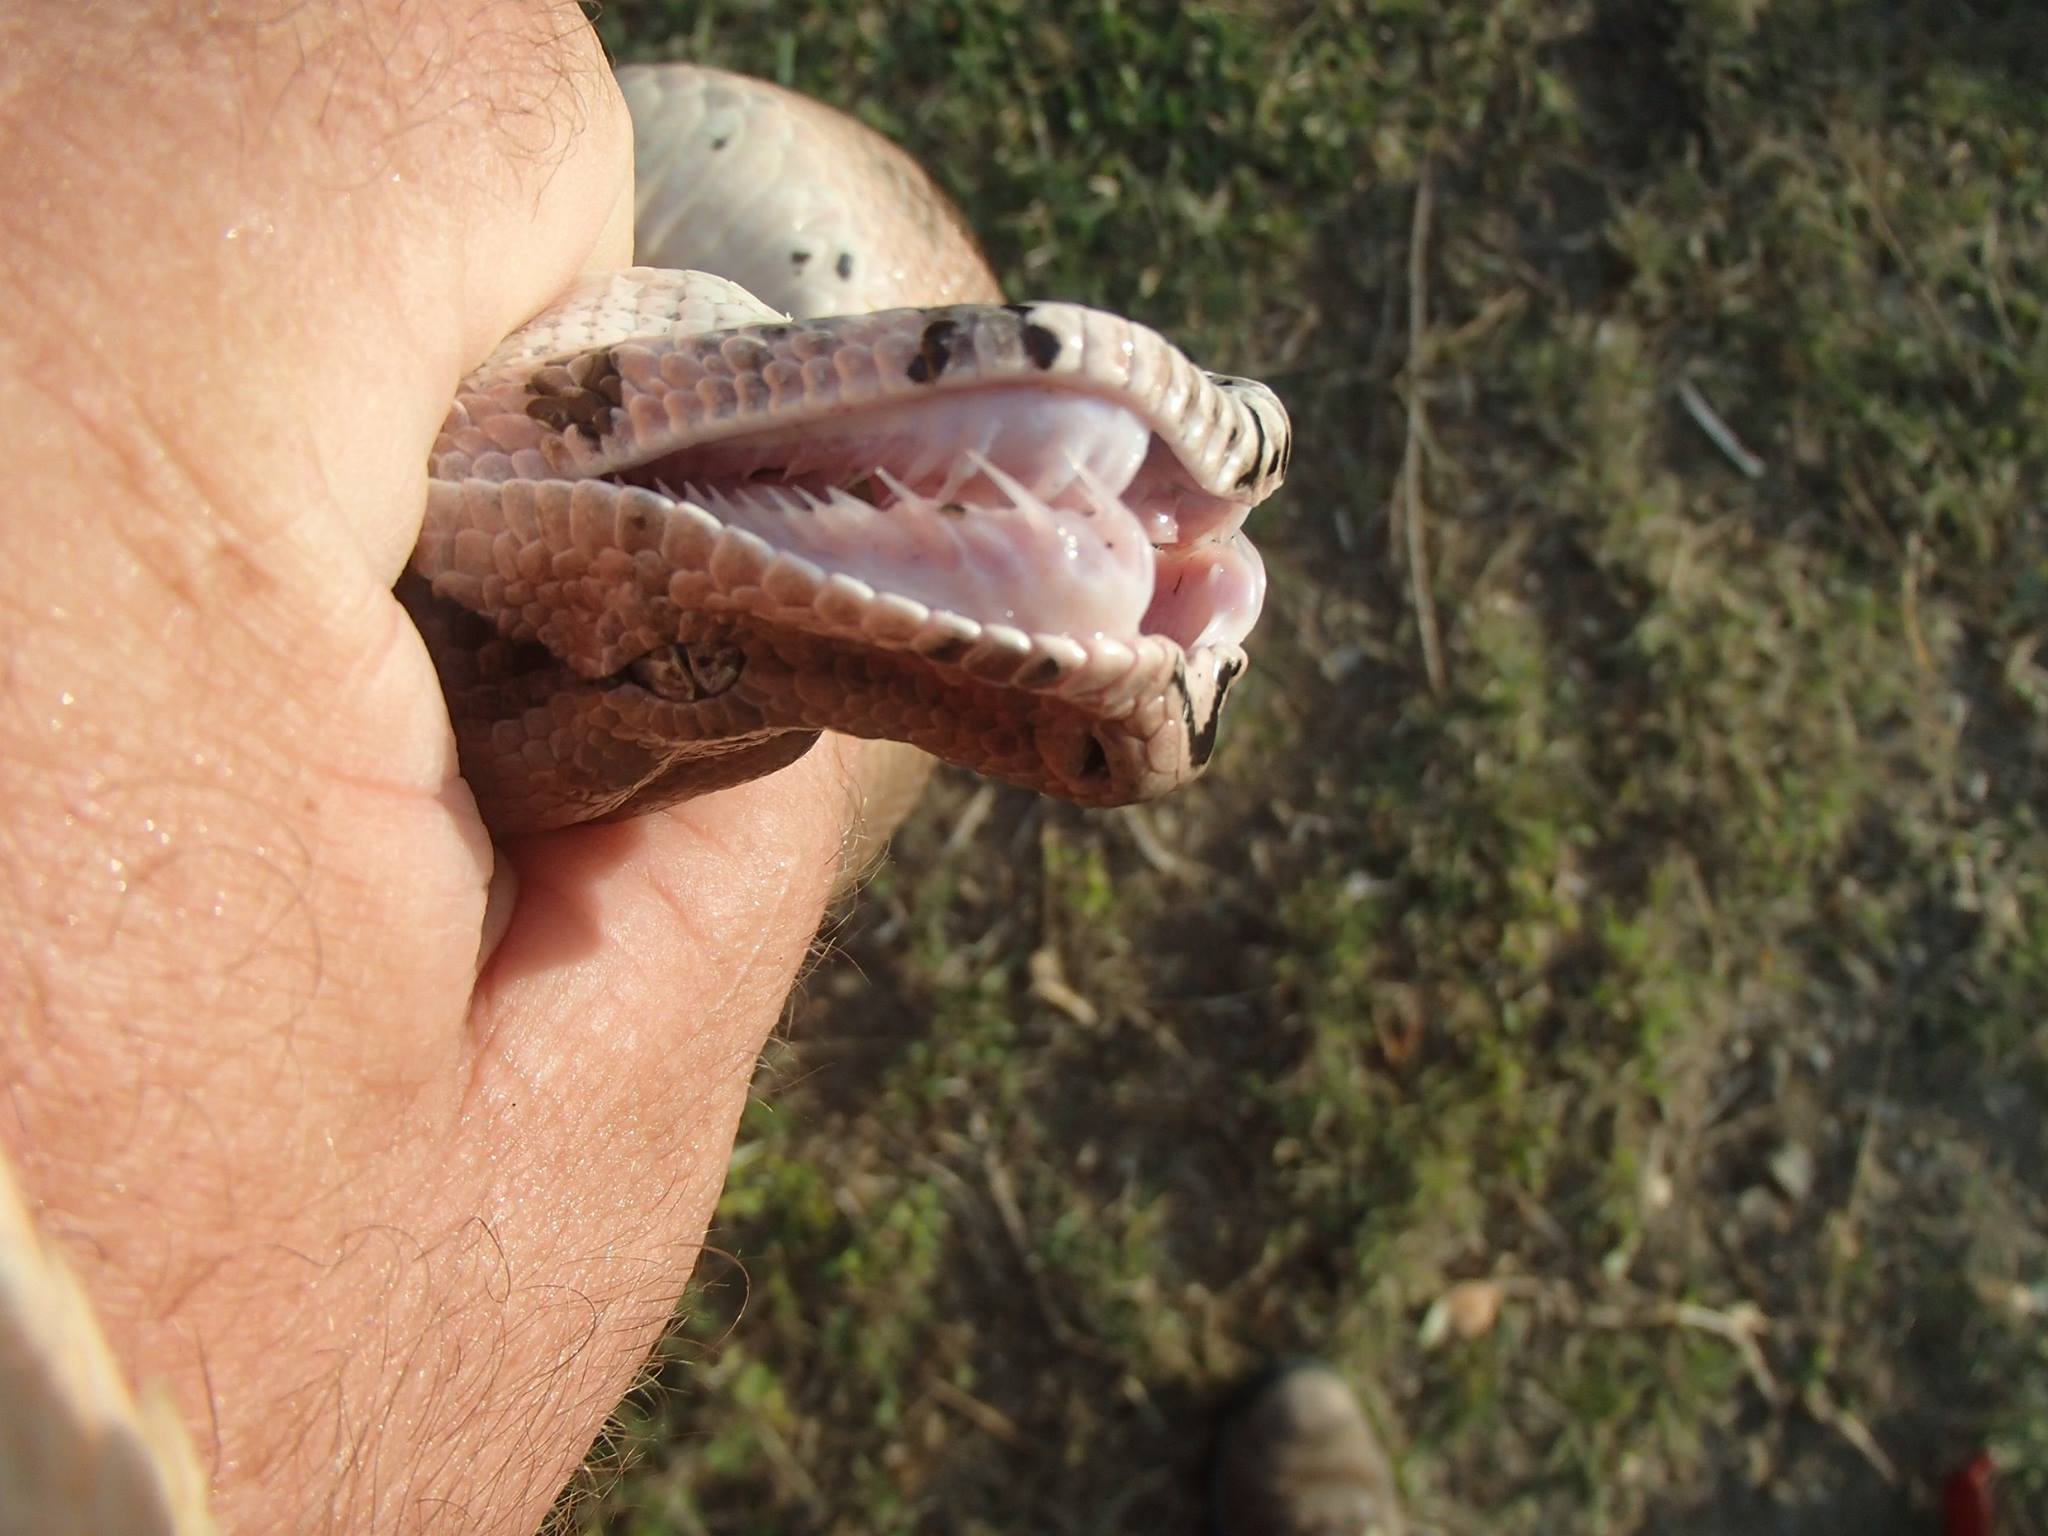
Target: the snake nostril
(687, 674)
(1094, 760)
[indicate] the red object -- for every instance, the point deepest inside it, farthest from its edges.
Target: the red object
(1966, 1507)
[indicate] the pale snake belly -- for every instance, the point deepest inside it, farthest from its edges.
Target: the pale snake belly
(679, 524)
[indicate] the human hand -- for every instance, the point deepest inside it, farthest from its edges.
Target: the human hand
(395, 1235)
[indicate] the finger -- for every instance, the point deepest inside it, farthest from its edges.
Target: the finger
(239, 288)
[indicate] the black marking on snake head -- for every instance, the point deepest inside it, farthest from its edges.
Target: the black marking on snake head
(1251, 471)
(579, 396)
(798, 258)
(1041, 345)
(949, 650)
(746, 354)
(1202, 742)
(721, 141)
(599, 372)
(844, 265)
(934, 351)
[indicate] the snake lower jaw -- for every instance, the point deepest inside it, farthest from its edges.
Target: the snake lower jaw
(1102, 726)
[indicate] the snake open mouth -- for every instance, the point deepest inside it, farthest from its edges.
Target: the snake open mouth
(1053, 511)
(699, 531)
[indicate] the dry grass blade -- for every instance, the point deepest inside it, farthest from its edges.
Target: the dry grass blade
(1410, 511)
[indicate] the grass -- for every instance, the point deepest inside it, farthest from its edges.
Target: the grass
(1678, 971)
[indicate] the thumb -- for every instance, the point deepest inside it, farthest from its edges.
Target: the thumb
(366, 198)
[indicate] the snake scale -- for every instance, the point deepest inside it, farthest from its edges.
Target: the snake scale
(681, 523)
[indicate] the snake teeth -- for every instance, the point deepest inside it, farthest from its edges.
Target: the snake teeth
(1005, 482)
(896, 488)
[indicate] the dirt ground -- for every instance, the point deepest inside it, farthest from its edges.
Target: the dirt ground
(1599, 996)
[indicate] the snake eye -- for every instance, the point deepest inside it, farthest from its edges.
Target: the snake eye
(688, 674)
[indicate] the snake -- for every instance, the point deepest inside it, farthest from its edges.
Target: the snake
(805, 469)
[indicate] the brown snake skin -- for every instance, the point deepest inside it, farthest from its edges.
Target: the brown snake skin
(677, 527)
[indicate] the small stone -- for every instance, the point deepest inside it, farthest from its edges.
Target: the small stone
(1792, 1169)
(1656, 1190)
(1474, 1307)
(1468, 1309)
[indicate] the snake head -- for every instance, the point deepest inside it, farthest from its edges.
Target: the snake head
(1008, 534)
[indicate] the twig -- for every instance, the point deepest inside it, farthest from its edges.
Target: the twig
(986, 1417)
(1737, 1326)
(969, 820)
(1859, 1176)
(1742, 1327)
(1145, 838)
(1909, 603)
(1916, 280)
(1504, 305)
(1408, 500)
(1010, 1216)
(1719, 433)
(1907, 553)
(1049, 986)
(776, 1449)
(1825, 1410)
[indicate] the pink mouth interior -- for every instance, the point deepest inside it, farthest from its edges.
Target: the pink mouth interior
(1053, 512)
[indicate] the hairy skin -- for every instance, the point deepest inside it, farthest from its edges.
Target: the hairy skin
(395, 1234)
